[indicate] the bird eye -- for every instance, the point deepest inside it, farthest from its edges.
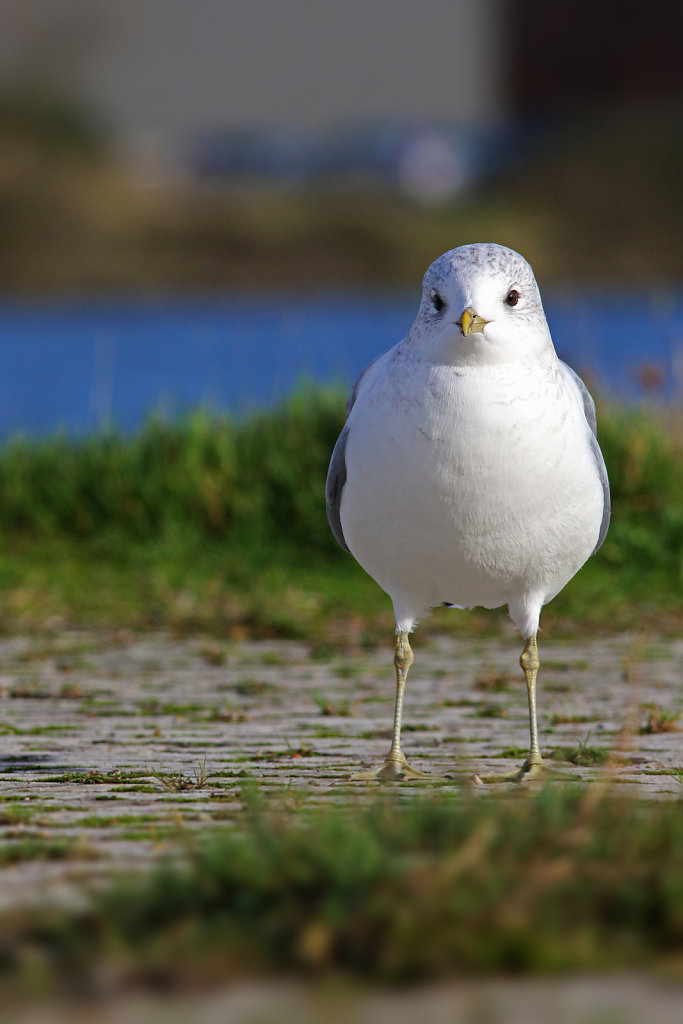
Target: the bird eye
(437, 302)
(512, 297)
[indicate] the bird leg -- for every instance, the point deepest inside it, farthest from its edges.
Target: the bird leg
(395, 768)
(534, 765)
(530, 662)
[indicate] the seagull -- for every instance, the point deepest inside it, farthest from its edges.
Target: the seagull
(468, 472)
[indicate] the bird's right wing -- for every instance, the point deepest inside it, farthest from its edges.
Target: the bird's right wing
(336, 478)
(353, 394)
(336, 474)
(591, 419)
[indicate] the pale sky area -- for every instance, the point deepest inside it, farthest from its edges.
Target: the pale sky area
(175, 67)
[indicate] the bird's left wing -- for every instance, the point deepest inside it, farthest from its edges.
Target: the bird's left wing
(591, 419)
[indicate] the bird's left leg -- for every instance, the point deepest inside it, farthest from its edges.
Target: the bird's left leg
(395, 768)
(529, 662)
(534, 766)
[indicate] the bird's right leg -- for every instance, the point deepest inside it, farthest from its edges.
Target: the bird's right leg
(395, 768)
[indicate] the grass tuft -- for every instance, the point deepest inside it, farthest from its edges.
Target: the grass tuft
(391, 891)
(334, 707)
(176, 782)
(660, 720)
(581, 755)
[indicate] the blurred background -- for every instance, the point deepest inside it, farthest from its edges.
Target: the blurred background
(213, 215)
(206, 202)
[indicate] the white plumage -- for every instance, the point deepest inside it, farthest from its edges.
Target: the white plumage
(468, 472)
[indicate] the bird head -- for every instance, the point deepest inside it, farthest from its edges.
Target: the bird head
(480, 304)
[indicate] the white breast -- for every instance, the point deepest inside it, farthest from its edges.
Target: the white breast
(469, 485)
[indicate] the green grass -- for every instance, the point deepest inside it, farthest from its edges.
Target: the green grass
(394, 891)
(565, 719)
(94, 777)
(581, 755)
(661, 720)
(7, 729)
(334, 706)
(219, 524)
(17, 851)
(16, 814)
(491, 711)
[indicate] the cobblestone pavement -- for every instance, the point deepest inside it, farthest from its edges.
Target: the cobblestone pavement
(611, 999)
(115, 745)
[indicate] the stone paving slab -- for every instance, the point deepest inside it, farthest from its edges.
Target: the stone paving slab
(115, 745)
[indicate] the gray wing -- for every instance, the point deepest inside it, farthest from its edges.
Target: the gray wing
(589, 410)
(336, 474)
(336, 478)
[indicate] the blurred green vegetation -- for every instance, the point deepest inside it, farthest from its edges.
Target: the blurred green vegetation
(48, 126)
(598, 199)
(219, 523)
(392, 891)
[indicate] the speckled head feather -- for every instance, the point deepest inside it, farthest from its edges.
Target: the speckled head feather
(471, 261)
(480, 277)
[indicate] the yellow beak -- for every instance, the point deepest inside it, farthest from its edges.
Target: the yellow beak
(470, 322)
